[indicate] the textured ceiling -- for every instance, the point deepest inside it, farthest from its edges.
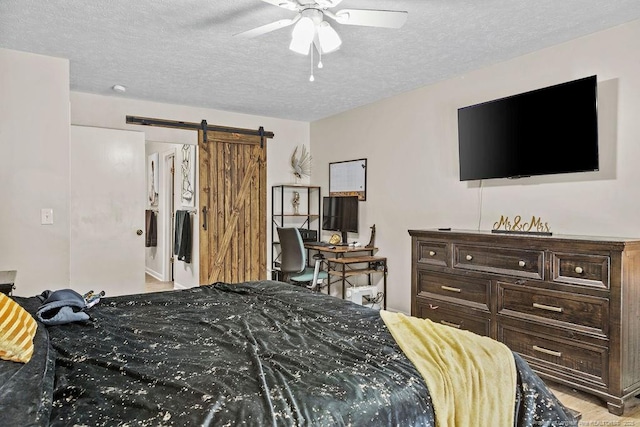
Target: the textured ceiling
(184, 52)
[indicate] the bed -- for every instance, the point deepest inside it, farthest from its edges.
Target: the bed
(259, 354)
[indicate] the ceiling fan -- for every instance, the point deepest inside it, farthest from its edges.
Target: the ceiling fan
(311, 28)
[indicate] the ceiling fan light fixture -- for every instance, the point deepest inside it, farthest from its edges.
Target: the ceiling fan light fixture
(328, 37)
(302, 35)
(312, 33)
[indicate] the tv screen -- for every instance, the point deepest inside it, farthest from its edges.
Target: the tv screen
(340, 214)
(545, 131)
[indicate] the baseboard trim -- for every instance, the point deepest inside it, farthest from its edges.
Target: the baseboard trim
(154, 274)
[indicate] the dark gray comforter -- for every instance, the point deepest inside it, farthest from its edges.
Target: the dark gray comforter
(255, 354)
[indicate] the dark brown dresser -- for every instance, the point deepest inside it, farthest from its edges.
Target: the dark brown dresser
(569, 305)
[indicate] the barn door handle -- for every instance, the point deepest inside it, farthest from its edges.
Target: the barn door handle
(204, 217)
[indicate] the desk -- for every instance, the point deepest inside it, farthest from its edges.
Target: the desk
(7, 281)
(340, 250)
(344, 265)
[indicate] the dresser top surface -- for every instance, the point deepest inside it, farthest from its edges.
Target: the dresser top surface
(481, 234)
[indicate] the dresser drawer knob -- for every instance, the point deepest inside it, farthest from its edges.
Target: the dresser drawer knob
(453, 325)
(548, 307)
(522, 263)
(547, 351)
(433, 307)
(432, 253)
(469, 257)
(450, 289)
(579, 270)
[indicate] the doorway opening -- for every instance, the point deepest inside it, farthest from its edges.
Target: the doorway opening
(160, 263)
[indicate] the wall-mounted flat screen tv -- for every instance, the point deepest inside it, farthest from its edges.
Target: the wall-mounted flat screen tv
(546, 131)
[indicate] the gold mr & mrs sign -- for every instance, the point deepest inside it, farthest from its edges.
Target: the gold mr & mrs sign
(518, 225)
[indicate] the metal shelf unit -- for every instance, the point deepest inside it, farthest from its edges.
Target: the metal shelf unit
(283, 215)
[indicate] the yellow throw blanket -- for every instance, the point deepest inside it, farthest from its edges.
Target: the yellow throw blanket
(471, 379)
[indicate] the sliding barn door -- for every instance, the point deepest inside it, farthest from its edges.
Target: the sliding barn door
(233, 199)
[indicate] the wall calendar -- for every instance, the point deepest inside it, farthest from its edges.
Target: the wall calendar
(348, 178)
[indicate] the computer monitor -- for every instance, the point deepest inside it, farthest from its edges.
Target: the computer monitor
(340, 214)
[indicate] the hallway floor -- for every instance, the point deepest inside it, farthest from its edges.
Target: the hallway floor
(151, 284)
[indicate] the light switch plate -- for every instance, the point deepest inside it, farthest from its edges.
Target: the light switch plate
(46, 216)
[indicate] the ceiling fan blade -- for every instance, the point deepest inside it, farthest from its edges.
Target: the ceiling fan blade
(258, 31)
(372, 18)
(328, 3)
(285, 4)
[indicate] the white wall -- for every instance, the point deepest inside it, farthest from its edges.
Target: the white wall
(410, 142)
(34, 169)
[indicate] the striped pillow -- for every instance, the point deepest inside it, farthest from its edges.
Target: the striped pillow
(17, 329)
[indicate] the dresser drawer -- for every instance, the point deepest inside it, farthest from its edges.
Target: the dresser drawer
(456, 288)
(584, 312)
(513, 262)
(433, 253)
(446, 315)
(558, 355)
(581, 269)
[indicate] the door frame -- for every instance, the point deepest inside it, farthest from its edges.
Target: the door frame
(168, 160)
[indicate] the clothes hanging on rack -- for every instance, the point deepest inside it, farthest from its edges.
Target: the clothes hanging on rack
(182, 241)
(151, 228)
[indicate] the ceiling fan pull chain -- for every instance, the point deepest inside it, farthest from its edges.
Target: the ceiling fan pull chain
(320, 59)
(311, 78)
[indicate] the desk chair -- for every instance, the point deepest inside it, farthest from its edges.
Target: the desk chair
(293, 260)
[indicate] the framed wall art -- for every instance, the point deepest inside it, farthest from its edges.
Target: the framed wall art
(187, 192)
(153, 179)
